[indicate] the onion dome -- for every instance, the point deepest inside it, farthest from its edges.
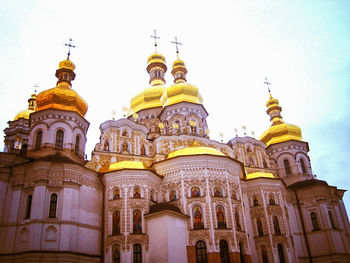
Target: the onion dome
(150, 97)
(195, 149)
(31, 108)
(122, 165)
(63, 97)
(279, 131)
(180, 91)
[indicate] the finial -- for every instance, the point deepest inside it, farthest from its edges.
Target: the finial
(69, 45)
(221, 136)
(177, 46)
(36, 86)
(113, 114)
(236, 131)
(126, 111)
(155, 39)
(244, 128)
(268, 84)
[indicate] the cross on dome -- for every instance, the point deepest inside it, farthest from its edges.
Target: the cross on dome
(36, 86)
(155, 38)
(69, 45)
(268, 84)
(177, 45)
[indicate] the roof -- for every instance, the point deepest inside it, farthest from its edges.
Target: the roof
(163, 207)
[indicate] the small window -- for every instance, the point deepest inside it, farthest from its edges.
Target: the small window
(259, 227)
(224, 257)
(201, 252)
(172, 195)
(137, 255)
(287, 167)
(303, 167)
(314, 221)
(233, 195)
(106, 146)
(276, 225)
(280, 253)
(38, 140)
(220, 216)
(237, 221)
(137, 193)
(116, 194)
(272, 200)
(28, 207)
(218, 192)
(116, 254)
(59, 140)
(255, 201)
(116, 223)
(241, 252)
(264, 256)
(77, 142)
(53, 206)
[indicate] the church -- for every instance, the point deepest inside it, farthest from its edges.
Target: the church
(157, 188)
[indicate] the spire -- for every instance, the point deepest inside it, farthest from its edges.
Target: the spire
(179, 69)
(156, 67)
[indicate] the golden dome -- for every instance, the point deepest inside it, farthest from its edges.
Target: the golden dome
(31, 108)
(156, 58)
(66, 64)
(23, 114)
(149, 98)
(195, 149)
(122, 165)
(180, 92)
(259, 175)
(62, 97)
(279, 130)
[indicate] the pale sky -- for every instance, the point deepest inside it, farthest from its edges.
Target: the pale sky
(229, 47)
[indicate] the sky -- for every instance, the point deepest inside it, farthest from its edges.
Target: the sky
(229, 47)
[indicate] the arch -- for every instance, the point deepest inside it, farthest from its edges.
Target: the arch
(195, 191)
(237, 221)
(116, 193)
(280, 253)
(264, 256)
(217, 192)
(286, 166)
(314, 221)
(137, 253)
(201, 252)
(276, 225)
(59, 139)
(136, 192)
(137, 221)
(259, 226)
(220, 217)
(38, 140)
(116, 223)
(28, 207)
(197, 213)
(50, 233)
(272, 199)
(53, 206)
(302, 166)
(224, 256)
(172, 195)
(77, 144)
(116, 254)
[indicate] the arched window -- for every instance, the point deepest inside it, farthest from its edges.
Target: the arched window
(264, 256)
(53, 206)
(137, 222)
(195, 191)
(330, 215)
(172, 195)
(116, 254)
(28, 207)
(255, 201)
(224, 257)
(217, 192)
(234, 195)
(116, 194)
(198, 222)
(238, 224)
(116, 223)
(201, 252)
(125, 134)
(137, 253)
(259, 227)
(106, 146)
(276, 225)
(272, 200)
(38, 139)
(287, 167)
(220, 217)
(280, 253)
(314, 221)
(137, 193)
(303, 167)
(241, 256)
(77, 142)
(59, 140)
